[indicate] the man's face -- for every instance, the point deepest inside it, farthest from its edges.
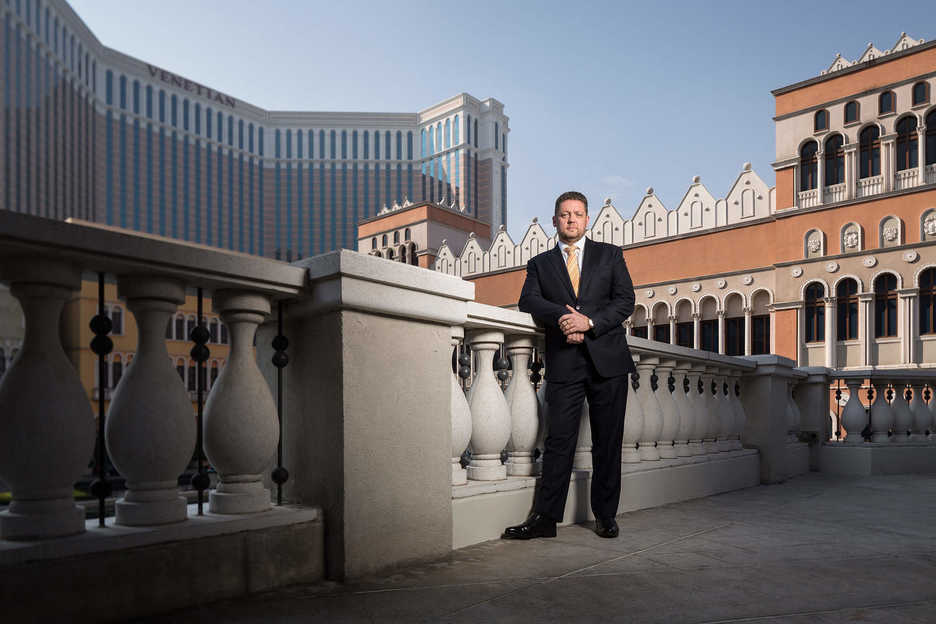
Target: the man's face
(571, 220)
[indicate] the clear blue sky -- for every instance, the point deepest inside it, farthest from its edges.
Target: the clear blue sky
(604, 97)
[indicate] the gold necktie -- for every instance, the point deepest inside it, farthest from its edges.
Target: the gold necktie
(573, 268)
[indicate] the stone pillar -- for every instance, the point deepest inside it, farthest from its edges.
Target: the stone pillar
(766, 400)
(851, 150)
(812, 401)
(672, 329)
(830, 335)
(748, 331)
(794, 418)
(46, 427)
(699, 409)
(150, 427)
(241, 425)
(666, 385)
(721, 331)
(363, 438)
(921, 415)
(854, 417)
(524, 411)
(726, 412)
(903, 417)
(650, 406)
(882, 415)
(820, 175)
(460, 414)
(629, 327)
(909, 330)
(696, 330)
(888, 160)
(681, 394)
(866, 328)
(740, 417)
(633, 422)
(490, 413)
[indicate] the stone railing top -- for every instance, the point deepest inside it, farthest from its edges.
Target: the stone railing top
(482, 316)
(348, 280)
(777, 365)
(112, 250)
(643, 347)
(908, 375)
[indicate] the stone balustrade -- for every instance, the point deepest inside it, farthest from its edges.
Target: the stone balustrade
(47, 429)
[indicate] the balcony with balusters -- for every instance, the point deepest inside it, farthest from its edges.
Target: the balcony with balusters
(384, 416)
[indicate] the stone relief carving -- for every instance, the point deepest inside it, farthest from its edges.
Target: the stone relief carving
(796, 272)
(929, 225)
(696, 287)
(649, 293)
(832, 267)
(721, 283)
(869, 261)
(911, 256)
(671, 290)
(851, 239)
(814, 245)
(748, 280)
(890, 233)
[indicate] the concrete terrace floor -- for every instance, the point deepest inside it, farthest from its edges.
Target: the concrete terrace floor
(813, 549)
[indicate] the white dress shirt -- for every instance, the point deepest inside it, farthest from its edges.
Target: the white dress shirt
(580, 245)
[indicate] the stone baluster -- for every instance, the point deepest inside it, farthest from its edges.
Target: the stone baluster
(698, 403)
(633, 422)
(668, 408)
(150, 428)
(882, 415)
(903, 418)
(46, 423)
(921, 415)
(740, 417)
(854, 417)
(583, 446)
(241, 431)
(490, 413)
(543, 420)
(792, 415)
(727, 415)
(710, 431)
(524, 410)
(461, 418)
(652, 415)
(681, 399)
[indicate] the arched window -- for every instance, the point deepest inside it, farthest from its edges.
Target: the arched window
(448, 133)
(661, 327)
(406, 234)
(403, 258)
(920, 93)
(476, 132)
(821, 120)
(814, 313)
(214, 330)
(907, 154)
(834, 160)
(455, 125)
(396, 237)
(851, 112)
(931, 138)
(190, 323)
(846, 295)
(708, 326)
(869, 152)
(734, 325)
(373, 243)
(422, 141)
(224, 334)
(179, 327)
(760, 323)
(886, 103)
(928, 301)
(808, 166)
(431, 140)
(116, 317)
(885, 306)
(116, 370)
(412, 254)
(180, 368)
(192, 372)
(390, 254)
(638, 321)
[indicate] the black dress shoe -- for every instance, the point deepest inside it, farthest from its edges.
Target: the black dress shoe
(606, 527)
(537, 525)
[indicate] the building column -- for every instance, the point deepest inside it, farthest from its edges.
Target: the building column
(721, 331)
(820, 175)
(909, 326)
(801, 359)
(629, 327)
(830, 334)
(921, 155)
(888, 158)
(850, 150)
(672, 329)
(866, 327)
(696, 330)
(748, 331)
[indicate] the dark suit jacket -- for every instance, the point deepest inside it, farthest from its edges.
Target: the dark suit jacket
(606, 296)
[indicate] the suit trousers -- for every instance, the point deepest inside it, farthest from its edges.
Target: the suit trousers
(607, 400)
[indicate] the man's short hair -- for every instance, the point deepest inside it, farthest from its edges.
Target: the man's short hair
(571, 195)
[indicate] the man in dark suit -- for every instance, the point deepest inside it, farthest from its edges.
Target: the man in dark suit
(581, 293)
